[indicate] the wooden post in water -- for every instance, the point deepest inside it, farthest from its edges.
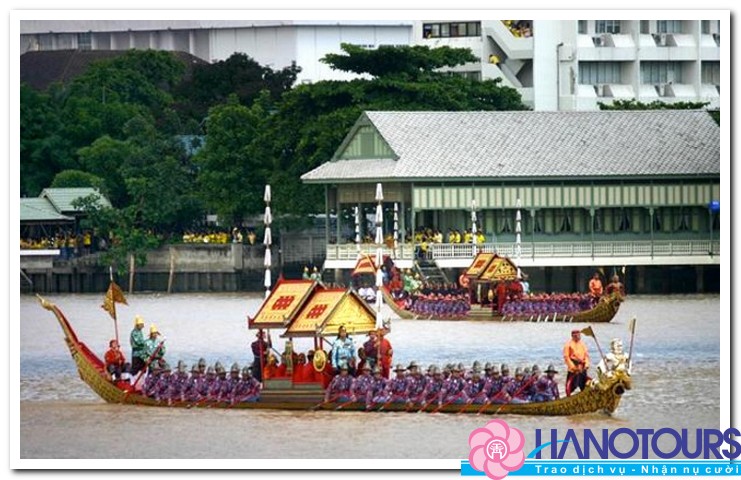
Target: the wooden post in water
(132, 265)
(172, 271)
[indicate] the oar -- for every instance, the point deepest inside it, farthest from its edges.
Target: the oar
(325, 402)
(146, 364)
(524, 385)
(343, 405)
(632, 328)
(448, 402)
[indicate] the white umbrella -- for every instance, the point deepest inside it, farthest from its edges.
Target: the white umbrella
(474, 239)
(396, 228)
(357, 230)
(518, 235)
(268, 241)
(379, 254)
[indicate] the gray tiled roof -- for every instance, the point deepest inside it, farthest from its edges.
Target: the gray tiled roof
(441, 145)
(62, 198)
(40, 210)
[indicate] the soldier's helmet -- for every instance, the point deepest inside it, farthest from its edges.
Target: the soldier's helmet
(194, 368)
(182, 367)
(412, 365)
(551, 369)
(165, 366)
(235, 368)
(138, 320)
(202, 362)
(476, 365)
(376, 370)
(210, 371)
(518, 372)
(246, 372)
(535, 369)
(219, 367)
(495, 369)
(505, 369)
(435, 370)
(487, 367)
(366, 367)
(461, 367)
(399, 368)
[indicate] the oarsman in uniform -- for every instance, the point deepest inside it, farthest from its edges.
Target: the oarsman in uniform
(576, 358)
(396, 388)
(532, 380)
(452, 391)
(474, 388)
(202, 366)
(179, 382)
(208, 383)
(150, 382)
(416, 383)
(338, 390)
(248, 388)
(361, 385)
(194, 382)
(493, 386)
(546, 388)
(214, 390)
(138, 346)
(516, 388)
(164, 384)
(433, 388)
(378, 388)
(228, 385)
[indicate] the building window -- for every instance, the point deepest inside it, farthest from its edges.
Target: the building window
(607, 26)
(565, 224)
(711, 73)
(597, 221)
(657, 221)
(661, 72)
(645, 29)
(85, 41)
(705, 27)
(625, 221)
(669, 26)
(582, 27)
(537, 223)
(505, 225)
(451, 29)
(592, 73)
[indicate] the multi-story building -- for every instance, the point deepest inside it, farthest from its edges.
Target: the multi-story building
(575, 64)
(276, 44)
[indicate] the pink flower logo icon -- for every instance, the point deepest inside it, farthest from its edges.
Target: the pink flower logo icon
(496, 449)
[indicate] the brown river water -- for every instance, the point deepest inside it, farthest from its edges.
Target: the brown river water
(675, 374)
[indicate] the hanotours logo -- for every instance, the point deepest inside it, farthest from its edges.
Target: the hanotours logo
(496, 449)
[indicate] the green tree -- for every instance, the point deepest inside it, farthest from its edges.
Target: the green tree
(76, 179)
(312, 120)
(231, 170)
(634, 104)
(240, 75)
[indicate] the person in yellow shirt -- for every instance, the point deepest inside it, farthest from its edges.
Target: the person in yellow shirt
(576, 357)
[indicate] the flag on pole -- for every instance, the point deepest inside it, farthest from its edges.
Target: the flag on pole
(113, 295)
(632, 325)
(588, 331)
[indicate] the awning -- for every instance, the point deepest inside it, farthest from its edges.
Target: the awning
(283, 303)
(479, 264)
(500, 269)
(327, 310)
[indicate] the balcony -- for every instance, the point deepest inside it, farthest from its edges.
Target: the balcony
(459, 255)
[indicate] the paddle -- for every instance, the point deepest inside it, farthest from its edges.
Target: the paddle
(325, 402)
(632, 328)
(440, 407)
(343, 405)
(146, 364)
(524, 385)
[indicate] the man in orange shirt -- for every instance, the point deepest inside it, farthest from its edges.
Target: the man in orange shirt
(576, 357)
(595, 285)
(114, 360)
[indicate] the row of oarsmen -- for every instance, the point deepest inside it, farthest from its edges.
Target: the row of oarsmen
(451, 385)
(210, 384)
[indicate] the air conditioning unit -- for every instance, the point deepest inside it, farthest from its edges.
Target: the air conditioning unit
(716, 37)
(662, 39)
(599, 41)
(600, 90)
(661, 89)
